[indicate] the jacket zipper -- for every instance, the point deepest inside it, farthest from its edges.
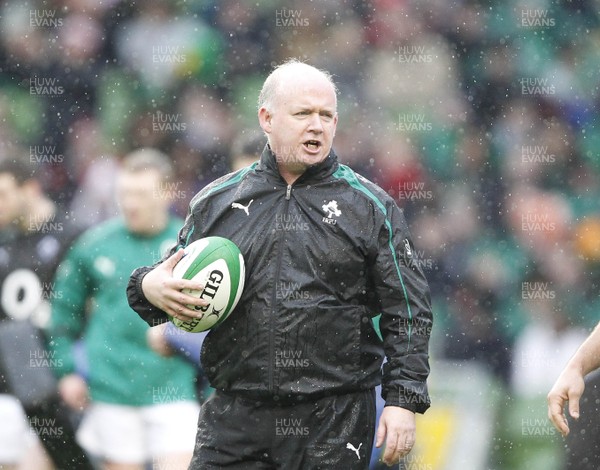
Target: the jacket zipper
(288, 196)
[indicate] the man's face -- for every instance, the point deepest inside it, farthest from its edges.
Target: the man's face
(10, 200)
(143, 201)
(301, 121)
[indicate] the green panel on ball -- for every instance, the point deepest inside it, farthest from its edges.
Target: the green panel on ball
(235, 262)
(215, 249)
(211, 253)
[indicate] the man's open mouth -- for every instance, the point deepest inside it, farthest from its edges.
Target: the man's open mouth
(312, 145)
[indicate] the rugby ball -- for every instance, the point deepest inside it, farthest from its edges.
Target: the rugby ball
(217, 263)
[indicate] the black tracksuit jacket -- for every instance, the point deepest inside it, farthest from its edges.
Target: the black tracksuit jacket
(323, 257)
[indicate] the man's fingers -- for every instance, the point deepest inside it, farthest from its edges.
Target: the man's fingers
(184, 298)
(182, 311)
(563, 425)
(390, 447)
(180, 284)
(560, 423)
(569, 387)
(179, 302)
(574, 404)
(407, 444)
(380, 434)
(403, 446)
(397, 427)
(172, 260)
(396, 446)
(556, 415)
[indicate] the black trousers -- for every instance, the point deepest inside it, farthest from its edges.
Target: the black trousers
(328, 433)
(583, 442)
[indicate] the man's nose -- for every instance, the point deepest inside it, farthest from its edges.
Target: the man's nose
(315, 124)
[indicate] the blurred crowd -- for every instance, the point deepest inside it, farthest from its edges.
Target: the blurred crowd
(480, 117)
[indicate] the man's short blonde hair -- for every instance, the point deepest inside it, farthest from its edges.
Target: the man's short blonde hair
(270, 87)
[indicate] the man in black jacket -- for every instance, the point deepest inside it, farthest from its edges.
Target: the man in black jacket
(295, 365)
(34, 235)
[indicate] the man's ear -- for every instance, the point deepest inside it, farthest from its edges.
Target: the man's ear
(335, 122)
(264, 119)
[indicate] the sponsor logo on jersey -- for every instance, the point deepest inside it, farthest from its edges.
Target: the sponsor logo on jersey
(246, 208)
(354, 449)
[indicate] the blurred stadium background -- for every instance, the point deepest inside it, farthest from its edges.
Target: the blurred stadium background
(480, 117)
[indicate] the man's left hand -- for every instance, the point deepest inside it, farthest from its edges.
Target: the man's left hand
(397, 427)
(157, 340)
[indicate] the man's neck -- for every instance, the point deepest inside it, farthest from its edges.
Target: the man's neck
(290, 172)
(288, 176)
(158, 226)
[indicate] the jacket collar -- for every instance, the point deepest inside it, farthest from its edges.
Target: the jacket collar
(327, 167)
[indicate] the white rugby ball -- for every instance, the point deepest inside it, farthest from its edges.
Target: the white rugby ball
(216, 263)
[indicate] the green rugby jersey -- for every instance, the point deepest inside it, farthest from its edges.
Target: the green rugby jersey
(91, 304)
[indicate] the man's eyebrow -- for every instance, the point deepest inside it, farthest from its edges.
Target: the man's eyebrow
(312, 109)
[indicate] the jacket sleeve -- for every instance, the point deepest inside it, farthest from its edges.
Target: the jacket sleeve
(135, 296)
(138, 302)
(404, 302)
